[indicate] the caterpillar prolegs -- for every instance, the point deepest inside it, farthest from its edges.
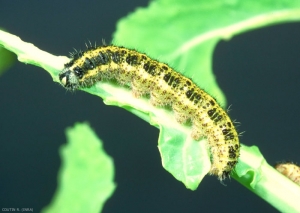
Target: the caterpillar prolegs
(166, 87)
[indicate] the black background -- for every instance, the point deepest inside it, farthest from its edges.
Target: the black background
(258, 71)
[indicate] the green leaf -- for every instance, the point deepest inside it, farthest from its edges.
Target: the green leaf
(185, 32)
(186, 159)
(85, 178)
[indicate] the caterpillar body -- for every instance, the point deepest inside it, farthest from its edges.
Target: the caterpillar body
(290, 170)
(166, 87)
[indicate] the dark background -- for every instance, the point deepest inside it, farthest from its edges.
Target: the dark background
(258, 71)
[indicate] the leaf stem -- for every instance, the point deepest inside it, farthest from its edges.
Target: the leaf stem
(258, 176)
(30, 54)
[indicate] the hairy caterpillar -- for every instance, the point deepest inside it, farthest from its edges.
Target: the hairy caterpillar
(166, 87)
(290, 170)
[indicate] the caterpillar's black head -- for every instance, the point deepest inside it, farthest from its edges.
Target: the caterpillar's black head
(68, 79)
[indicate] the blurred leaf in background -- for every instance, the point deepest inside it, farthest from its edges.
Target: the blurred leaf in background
(85, 179)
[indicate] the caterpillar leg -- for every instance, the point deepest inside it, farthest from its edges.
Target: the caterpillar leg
(159, 98)
(138, 88)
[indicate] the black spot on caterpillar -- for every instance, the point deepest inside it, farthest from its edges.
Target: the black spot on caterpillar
(166, 87)
(290, 170)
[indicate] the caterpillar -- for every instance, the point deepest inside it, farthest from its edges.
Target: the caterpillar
(290, 170)
(166, 87)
